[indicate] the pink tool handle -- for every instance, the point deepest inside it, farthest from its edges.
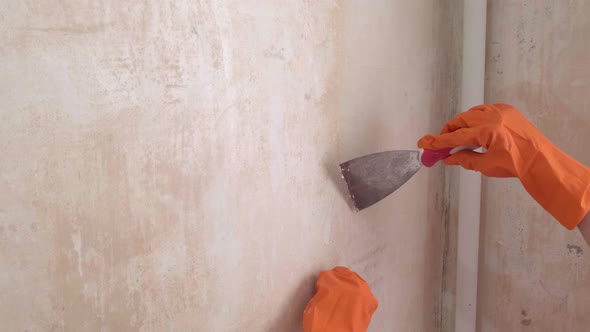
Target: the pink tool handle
(431, 157)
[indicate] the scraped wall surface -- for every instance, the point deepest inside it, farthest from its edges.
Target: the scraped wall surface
(172, 165)
(533, 272)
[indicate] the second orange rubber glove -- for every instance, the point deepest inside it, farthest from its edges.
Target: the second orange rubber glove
(516, 148)
(343, 303)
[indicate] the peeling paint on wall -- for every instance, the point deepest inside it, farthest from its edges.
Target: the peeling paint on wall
(171, 165)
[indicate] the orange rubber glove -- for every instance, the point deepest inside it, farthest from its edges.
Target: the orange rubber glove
(343, 303)
(516, 148)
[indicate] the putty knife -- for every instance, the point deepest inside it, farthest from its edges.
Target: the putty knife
(373, 177)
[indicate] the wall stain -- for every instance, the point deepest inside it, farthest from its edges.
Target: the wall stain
(575, 249)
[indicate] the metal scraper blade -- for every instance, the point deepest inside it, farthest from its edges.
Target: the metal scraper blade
(373, 177)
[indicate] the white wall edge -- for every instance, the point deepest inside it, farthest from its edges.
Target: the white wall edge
(472, 93)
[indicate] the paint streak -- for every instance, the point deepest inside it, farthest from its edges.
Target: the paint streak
(77, 242)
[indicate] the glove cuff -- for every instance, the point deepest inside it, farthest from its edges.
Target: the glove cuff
(560, 184)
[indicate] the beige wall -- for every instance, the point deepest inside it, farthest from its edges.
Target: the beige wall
(534, 274)
(172, 165)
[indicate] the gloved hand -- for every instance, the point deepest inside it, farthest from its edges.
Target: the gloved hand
(343, 303)
(516, 148)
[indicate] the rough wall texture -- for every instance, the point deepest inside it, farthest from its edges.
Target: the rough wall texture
(171, 165)
(534, 273)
